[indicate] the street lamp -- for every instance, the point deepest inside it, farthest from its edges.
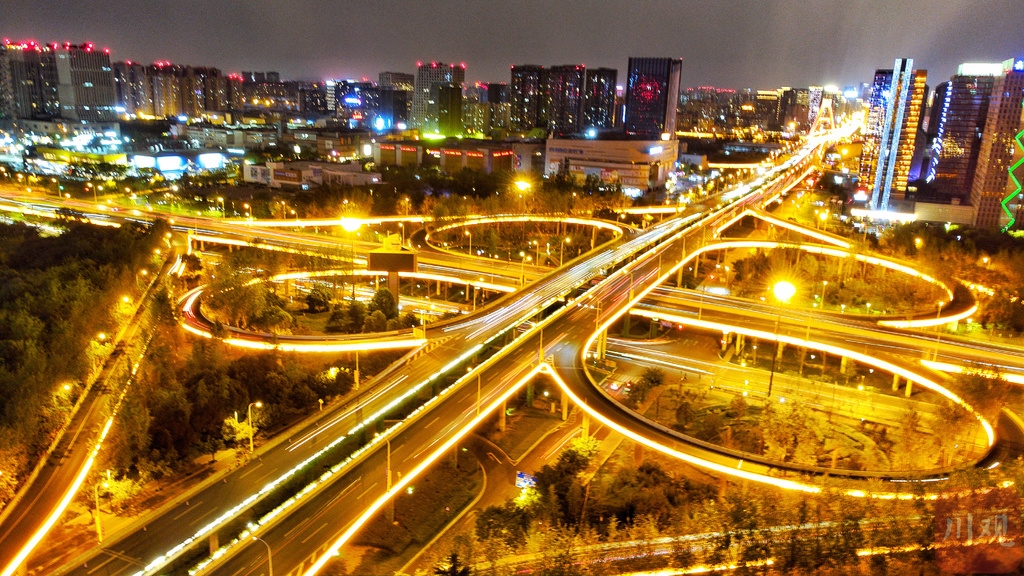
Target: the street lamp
(938, 330)
(252, 427)
(96, 495)
(270, 560)
(522, 267)
(470, 235)
(221, 200)
(783, 292)
(824, 285)
(561, 249)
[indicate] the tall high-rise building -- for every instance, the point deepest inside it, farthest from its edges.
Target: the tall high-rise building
(447, 101)
(499, 105)
(652, 96)
(897, 97)
(85, 83)
(599, 98)
(957, 121)
(133, 89)
(31, 80)
(396, 80)
(565, 90)
(993, 189)
(428, 74)
(6, 87)
(767, 104)
(166, 89)
(527, 97)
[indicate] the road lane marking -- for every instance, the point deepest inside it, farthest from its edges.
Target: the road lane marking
(187, 510)
(363, 493)
(313, 533)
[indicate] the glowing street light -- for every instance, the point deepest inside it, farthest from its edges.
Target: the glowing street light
(470, 234)
(522, 267)
(252, 427)
(561, 249)
(270, 560)
(783, 292)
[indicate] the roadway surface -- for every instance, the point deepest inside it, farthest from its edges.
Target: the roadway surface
(23, 519)
(155, 534)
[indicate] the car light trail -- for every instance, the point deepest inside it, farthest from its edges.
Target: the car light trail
(831, 349)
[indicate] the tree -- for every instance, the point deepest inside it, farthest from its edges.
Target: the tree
(452, 566)
(318, 299)
(384, 301)
(650, 378)
(375, 322)
(355, 316)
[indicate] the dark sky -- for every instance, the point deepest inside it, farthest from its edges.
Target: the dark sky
(727, 43)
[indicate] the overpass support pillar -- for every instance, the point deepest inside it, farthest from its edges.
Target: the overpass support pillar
(565, 406)
(593, 237)
(679, 277)
(739, 343)
(910, 385)
(585, 428)
(501, 417)
(895, 382)
(725, 342)
(780, 346)
(843, 364)
(214, 543)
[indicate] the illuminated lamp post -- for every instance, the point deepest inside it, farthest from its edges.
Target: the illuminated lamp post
(938, 330)
(351, 226)
(561, 249)
(96, 495)
(270, 560)
(252, 428)
(522, 268)
(470, 235)
(783, 292)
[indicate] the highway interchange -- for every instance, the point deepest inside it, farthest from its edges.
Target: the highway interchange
(306, 534)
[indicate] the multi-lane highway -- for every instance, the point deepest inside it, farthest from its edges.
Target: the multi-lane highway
(161, 531)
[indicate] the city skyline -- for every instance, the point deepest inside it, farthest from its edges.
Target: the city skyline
(805, 43)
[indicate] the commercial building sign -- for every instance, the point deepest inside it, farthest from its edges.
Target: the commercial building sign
(288, 176)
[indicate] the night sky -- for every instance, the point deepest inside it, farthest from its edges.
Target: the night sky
(726, 43)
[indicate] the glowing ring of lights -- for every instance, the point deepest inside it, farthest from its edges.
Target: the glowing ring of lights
(888, 321)
(735, 471)
(347, 343)
(614, 228)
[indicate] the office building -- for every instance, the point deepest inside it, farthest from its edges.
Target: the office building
(652, 95)
(599, 99)
(446, 108)
(897, 97)
(993, 189)
(396, 81)
(31, 81)
(956, 124)
(528, 98)
(499, 105)
(565, 90)
(428, 74)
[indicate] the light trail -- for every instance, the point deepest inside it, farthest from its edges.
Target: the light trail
(831, 349)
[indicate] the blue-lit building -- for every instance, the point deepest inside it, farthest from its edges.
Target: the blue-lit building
(897, 97)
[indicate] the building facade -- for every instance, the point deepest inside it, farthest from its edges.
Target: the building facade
(599, 99)
(897, 98)
(652, 96)
(565, 91)
(992, 190)
(428, 74)
(960, 109)
(528, 98)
